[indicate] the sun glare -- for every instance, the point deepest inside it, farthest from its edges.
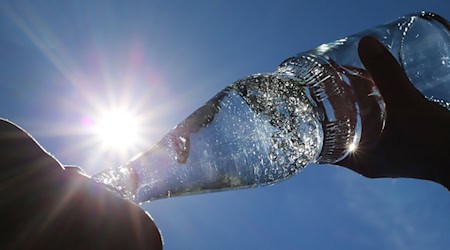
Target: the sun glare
(118, 130)
(352, 147)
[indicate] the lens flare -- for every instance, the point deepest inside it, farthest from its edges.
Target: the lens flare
(117, 129)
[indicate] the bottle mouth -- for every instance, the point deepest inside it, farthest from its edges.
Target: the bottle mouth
(433, 16)
(423, 54)
(331, 91)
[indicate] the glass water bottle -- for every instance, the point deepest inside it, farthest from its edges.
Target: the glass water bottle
(267, 127)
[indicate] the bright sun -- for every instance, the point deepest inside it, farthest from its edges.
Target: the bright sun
(117, 129)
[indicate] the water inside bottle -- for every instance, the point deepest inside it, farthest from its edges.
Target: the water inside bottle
(259, 130)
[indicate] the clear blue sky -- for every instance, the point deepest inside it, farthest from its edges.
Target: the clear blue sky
(60, 61)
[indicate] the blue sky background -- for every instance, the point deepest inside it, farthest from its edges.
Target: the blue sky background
(61, 62)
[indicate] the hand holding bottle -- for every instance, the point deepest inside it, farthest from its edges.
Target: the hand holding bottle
(416, 136)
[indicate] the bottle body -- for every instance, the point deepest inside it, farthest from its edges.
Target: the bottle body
(259, 130)
(268, 127)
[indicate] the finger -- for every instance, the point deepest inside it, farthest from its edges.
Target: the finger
(127, 225)
(20, 154)
(78, 213)
(108, 220)
(388, 75)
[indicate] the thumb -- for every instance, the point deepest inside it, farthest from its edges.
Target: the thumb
(391, 80)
